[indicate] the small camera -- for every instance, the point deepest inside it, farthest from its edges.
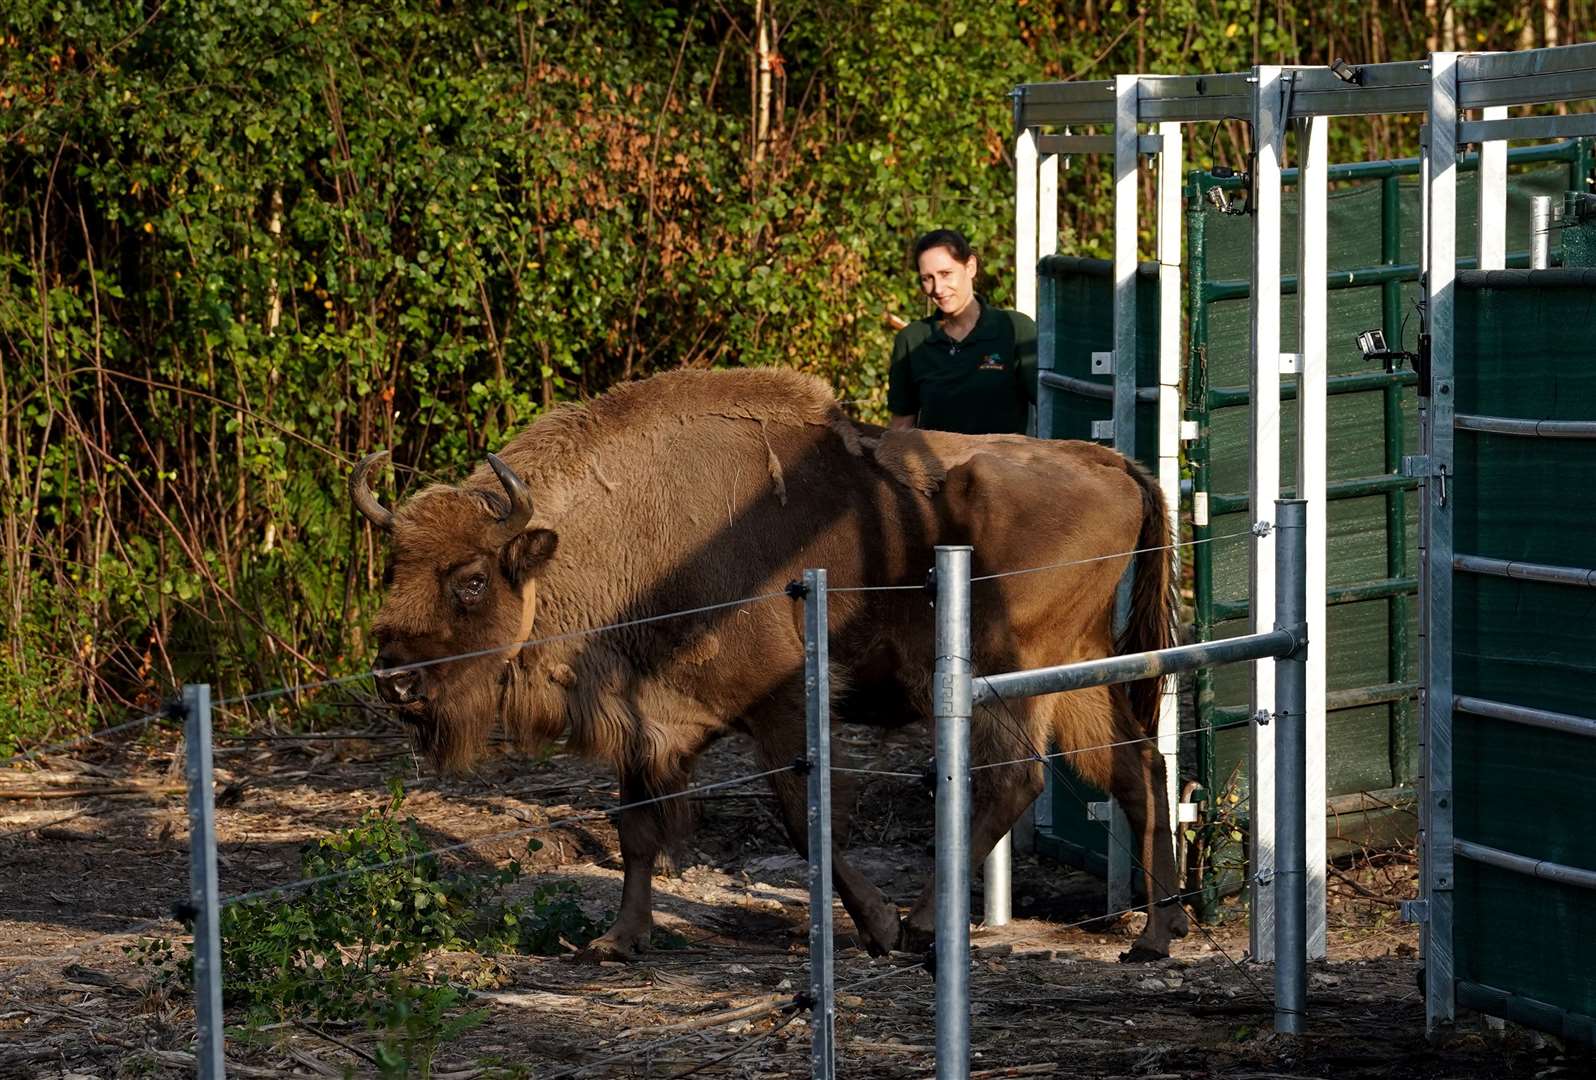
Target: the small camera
(1371, 343)
(1221, 201)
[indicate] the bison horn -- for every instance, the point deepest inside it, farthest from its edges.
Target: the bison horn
(360, 492)
(514, 522)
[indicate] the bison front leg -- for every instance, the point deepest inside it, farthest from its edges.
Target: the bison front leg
(642, 836)
(999, 796)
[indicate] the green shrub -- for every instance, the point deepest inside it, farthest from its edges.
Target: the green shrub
(350, 949)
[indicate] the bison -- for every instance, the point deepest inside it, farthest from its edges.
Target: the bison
(697, 487)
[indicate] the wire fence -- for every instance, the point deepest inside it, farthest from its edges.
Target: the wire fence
(286, 888)
(296, 689)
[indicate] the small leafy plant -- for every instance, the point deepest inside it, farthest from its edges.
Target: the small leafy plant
(348, 948)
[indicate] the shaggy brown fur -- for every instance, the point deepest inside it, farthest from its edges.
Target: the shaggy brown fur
(695, 488)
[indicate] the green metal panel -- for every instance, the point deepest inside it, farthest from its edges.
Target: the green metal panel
(1369, 434)
(1083, 323)
(1373, 421)
(1579, 230)
(1526, 352)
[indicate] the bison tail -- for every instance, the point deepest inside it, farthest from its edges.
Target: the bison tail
(1153, 604)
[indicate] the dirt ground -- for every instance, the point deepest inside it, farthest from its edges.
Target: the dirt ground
(106, 852)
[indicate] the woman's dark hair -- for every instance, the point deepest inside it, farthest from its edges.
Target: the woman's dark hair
(951, 239)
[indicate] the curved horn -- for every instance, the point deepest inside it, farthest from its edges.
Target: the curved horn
(515, 521)
(360, 492)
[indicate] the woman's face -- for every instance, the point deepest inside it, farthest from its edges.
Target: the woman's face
(948, 282)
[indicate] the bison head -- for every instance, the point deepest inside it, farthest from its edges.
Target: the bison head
(461, 595)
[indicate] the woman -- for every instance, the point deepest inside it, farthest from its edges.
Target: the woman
(969, 367)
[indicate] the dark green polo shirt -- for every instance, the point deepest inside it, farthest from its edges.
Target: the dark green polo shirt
(978, 386)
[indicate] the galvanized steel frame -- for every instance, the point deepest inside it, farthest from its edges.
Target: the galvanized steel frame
(1275, 97)
(1490, 82)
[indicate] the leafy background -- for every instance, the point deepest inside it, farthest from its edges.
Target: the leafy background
(242, 243)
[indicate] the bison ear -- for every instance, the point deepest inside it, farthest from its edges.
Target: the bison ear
(527, 554)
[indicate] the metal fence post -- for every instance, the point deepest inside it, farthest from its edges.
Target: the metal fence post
(1540, 231)
(1291, 772)
(951, 703)
(202, 882)
(817, 698)
(997, 884)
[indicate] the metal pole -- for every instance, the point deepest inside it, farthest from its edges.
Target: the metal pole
(951, 694)
(1435, 814)
(1291, 772)
(1540, 231)
(996, 883)
(1263, 485)
(202, 890)
(1313, 443)
(817, 699)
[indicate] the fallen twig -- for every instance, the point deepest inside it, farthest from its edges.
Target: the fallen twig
(726, 1016)
(1362, 891)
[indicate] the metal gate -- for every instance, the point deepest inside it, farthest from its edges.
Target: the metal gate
(1509, 587)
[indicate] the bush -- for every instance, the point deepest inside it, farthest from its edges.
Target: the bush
(350, 949)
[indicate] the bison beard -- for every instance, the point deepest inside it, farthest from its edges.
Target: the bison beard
(695, 488)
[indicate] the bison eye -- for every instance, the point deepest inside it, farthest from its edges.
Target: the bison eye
(470, 590)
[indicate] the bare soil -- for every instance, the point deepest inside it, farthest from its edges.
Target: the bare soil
(1049, 996)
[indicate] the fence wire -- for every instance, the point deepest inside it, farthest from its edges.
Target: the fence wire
(294, 689)
(511, 834)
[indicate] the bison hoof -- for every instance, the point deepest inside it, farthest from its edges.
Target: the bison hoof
(912, 939)
(1142, 954)
(605, 949)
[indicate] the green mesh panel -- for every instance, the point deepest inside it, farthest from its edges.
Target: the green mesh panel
(1525, 352)
(1361, 754)
(1084, 325)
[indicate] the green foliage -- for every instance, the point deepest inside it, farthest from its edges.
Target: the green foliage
(350, 949)
(243, 244)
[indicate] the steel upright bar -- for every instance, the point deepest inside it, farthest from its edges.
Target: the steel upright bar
(1540, 232)
(817, 698)
(1291, 771)
(997, 891)
(951, 704)
(996, 872)
(202, 887)
(1492, 246)
(1264, 480)
(1127, 161)
(1435, 823)
(1170, 225)
(1025, 202)
(1127, 164)
(1313, 443)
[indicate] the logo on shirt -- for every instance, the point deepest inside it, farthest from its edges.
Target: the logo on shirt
(990, 362)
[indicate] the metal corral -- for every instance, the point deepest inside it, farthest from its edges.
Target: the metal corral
(1458, 607)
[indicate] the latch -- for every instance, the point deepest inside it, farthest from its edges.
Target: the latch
(1424, 467)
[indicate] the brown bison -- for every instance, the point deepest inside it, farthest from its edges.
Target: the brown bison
(693, 488)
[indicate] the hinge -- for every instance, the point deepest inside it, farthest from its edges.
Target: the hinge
(1416, 465)
(1415, 911)
(1100, 811)
(1103, 430)
(1102, 363)
(1190, 431)
(1290, 363)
